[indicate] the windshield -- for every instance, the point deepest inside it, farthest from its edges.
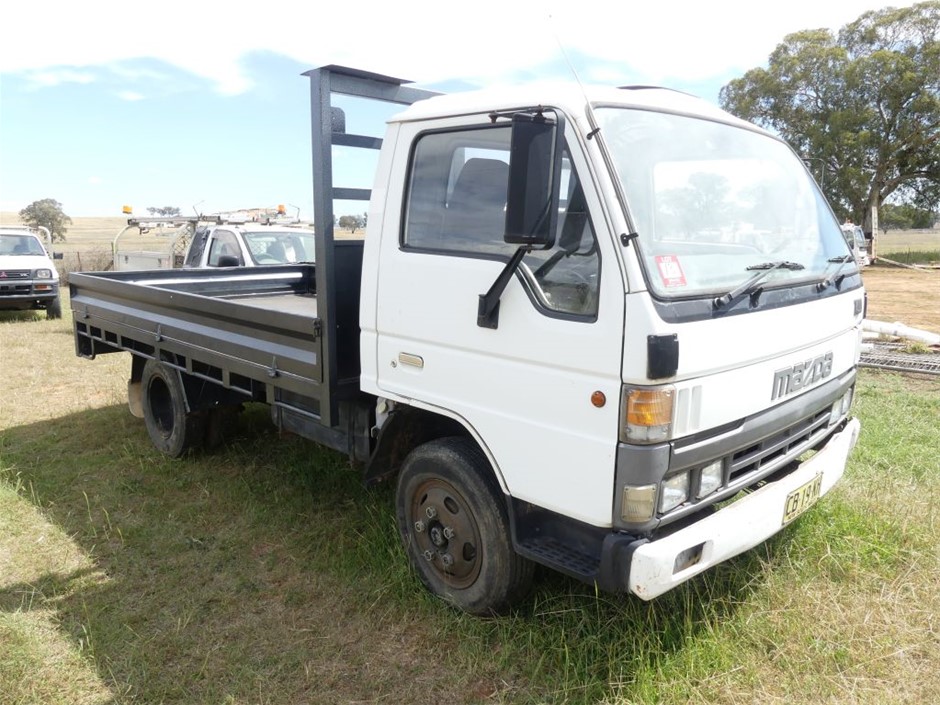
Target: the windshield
(709, 200)
(20, 245)
(281, 246)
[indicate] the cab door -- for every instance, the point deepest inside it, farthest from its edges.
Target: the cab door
(541, 390)
(224, 243)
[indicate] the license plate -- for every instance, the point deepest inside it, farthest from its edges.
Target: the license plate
(801, 499)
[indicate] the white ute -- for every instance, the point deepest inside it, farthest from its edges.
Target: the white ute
(28, 276)
(212, 241)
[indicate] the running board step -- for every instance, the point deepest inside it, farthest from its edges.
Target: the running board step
(554, 553)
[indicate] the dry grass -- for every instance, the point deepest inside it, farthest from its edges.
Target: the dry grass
(908, 240)
(264, 574)
(908, 296)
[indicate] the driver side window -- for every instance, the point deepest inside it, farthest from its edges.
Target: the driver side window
(457, 203)
(567, 277)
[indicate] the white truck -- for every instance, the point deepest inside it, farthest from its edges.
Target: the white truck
(229, 240)
(610, 331)
(855, 239)
(28, 276)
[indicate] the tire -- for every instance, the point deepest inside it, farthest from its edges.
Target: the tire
(172, 430)
(453, 521)
(54, 309)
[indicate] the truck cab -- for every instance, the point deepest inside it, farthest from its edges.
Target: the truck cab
(689, 329)
(855, 239)
(249, 244)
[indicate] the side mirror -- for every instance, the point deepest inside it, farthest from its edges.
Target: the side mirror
(228, 261)
(57, 255)
(534, 179)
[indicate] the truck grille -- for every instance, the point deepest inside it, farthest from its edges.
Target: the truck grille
(751, 464)
(15, 289)
(13, 274)
(770, 453)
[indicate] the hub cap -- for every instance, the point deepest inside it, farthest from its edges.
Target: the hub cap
(446, 533)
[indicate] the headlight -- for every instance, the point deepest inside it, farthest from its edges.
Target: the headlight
(638, 503)
(710, 479)
(847, 400)
(675, 491)
(647, 414)
(840, 407)
(43, 274)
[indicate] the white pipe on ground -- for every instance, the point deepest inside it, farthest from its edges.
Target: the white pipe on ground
(901, 331)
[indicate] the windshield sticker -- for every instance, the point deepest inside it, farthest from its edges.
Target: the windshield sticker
(670, 271)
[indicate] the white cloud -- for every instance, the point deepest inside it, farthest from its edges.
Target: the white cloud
(423, 40)
(130, 96)
(47, 78)
(95, 180)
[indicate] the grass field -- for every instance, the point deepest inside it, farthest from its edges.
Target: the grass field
(264, 573)
(896, 243)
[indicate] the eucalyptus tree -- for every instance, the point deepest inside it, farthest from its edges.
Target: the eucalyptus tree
(862, 107)
(48, 214)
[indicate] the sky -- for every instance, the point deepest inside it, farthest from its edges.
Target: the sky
(201, 105)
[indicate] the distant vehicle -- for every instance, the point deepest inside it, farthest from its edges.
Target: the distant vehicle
(231, 240)
(249, 245)
(28, 277)
(855, 239)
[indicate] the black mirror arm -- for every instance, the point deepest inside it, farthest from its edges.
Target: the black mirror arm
(488, 309)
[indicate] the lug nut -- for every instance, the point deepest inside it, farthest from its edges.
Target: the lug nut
(429, 555)
(431, 512)
(448, 533)
(419, 526)
(447, 560)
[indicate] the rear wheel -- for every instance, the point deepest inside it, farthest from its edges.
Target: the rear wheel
(453, 521)
(171, 428)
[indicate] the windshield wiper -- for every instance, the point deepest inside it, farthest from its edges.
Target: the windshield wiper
(748, 286)
(827, 281)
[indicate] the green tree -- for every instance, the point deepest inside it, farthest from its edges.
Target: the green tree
(862, 107)
(48, 214)
(904, 216)
(351, 222)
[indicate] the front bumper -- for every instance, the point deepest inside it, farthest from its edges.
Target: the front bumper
(25, 295)
(651, 567)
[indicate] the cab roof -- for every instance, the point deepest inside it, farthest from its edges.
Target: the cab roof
(569, 97)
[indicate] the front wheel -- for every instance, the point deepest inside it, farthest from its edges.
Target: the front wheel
(453, 521)
(172, 429)
(54, 309)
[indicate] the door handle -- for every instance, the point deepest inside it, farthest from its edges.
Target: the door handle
(411, 360)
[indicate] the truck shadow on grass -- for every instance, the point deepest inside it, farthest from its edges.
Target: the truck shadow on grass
(265, 567)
